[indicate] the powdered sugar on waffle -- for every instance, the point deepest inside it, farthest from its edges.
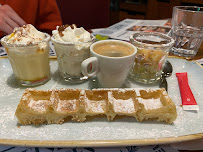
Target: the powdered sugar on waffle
(66, 105)
(150, 103)
(120, 105)
(39, 105)
(95, 106)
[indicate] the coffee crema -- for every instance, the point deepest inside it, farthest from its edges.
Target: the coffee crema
(113, 49)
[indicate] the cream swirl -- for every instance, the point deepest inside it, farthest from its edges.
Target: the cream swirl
(27, 34)
(70, 33)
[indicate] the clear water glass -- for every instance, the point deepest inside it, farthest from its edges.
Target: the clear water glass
(187, 30)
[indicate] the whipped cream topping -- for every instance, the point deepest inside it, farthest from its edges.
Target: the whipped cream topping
(70, 33)
(27, 34)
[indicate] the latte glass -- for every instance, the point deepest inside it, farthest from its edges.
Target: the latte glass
(70, 56)
(152, 50)
(30, 62)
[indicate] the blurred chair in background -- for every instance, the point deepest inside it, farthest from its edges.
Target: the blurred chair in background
(88, 14)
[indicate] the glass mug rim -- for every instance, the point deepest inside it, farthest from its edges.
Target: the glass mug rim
(5, 43)
(132, 39)
(113, 58)
(184, 8)
(71, 43)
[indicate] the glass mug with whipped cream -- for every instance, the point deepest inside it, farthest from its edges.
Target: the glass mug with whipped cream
(28, 53)
(72, 46)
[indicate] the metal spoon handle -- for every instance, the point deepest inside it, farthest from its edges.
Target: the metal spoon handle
(163, 83)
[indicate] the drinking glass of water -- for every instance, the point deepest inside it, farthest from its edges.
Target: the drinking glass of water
(187, 30)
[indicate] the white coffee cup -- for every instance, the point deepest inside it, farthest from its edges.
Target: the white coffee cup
(111, 62)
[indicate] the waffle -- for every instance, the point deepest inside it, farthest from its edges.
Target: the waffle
(122, 103)
(62, 105)
(155, 104)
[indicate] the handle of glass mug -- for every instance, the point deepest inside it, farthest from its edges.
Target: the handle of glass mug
(90, 67)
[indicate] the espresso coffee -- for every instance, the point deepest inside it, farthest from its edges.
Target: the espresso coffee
(113, 49)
